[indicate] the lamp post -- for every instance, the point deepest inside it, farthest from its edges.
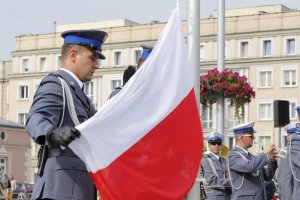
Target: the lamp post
(221, 62)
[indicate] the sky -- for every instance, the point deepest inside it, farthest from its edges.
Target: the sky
(19, 17)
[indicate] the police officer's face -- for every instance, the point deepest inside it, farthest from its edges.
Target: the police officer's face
(87, 63)
(248, 140)
(215, 147)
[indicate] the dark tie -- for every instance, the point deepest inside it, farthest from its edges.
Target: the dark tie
(249, 156)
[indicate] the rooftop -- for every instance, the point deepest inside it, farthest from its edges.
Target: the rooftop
(10, 124)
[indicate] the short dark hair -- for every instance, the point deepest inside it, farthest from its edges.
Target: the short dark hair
(128, 73)
(66, 48)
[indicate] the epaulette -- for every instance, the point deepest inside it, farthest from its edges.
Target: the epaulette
(206, 155)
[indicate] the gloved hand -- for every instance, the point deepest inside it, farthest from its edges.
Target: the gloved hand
(62, 136)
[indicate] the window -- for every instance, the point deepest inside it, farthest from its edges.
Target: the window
(244, 49)
(231, 142)
(289, 77)
(22, 118)
(57, 62)
(136, 56)
(263, 140)
(290, 46)
(3, 166)
(267, 47)
(231, 120)
(293, 112)
(202, 52)
(265, 78)
(117, 58)
(24, 65)
(207, 117)
(42, 64)
(23, 92)
(2, 136)
(89, 90)
(115, 83)
(265, 110)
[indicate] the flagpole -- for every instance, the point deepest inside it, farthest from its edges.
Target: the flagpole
(194, 60)
(221, 62)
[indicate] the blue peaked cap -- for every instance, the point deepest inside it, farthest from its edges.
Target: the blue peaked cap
(292, 128)
(146, 51)
(244, 128)
(92, 39)
(215, 137)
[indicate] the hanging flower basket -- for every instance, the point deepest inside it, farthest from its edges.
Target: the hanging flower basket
(228, 85)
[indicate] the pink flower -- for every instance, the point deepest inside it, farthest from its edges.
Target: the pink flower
(227, 84)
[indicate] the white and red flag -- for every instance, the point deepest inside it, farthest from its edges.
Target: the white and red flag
(146, 142)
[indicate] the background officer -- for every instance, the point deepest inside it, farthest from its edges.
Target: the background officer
(284, 174)
(294, 150)
(146, 52)
(50, 123)
(248, 172)
(214, 169)
(128, 73)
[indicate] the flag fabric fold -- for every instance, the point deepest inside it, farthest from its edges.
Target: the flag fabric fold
(146, 142)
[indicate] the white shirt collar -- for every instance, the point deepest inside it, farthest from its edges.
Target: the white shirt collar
(215, 155)
(80, 83)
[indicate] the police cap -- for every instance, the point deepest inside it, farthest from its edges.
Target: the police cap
(292, 128)
(244, 128)
(92, 39)
(146, 51)
(214, 137)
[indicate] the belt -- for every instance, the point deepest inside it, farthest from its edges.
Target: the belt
(56, 152)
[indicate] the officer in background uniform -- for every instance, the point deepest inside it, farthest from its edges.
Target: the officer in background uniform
(214, 169)
(62, 175)
(128, 73)
(146, 52)
(284, 174)
(294, 158)
(248, 172)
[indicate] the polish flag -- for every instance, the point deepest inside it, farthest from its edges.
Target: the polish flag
(146, 142)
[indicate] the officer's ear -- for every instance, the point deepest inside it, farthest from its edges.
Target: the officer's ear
(73, 54)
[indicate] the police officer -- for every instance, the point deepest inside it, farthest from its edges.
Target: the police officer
(294, 150)
(146, 52)
(128, 73)
(284, 174)
(63, 175)
(214, 169)
(248, 172)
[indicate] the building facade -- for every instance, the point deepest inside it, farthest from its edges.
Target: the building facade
(15, 152)
(262, 43)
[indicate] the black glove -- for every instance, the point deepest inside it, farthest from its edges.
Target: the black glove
(62, 136)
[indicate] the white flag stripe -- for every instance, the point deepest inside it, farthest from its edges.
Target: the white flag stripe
(150, 95)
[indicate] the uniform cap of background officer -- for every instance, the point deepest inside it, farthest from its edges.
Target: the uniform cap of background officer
(146, 51)
(292, 128)
(244, 128)
(215, 137)
(92, 39)
(297, 108)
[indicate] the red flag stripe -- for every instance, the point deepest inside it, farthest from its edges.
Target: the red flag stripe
(157, 155)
